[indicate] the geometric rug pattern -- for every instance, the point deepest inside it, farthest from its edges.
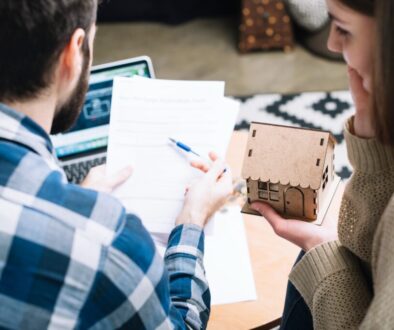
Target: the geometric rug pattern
(326, 111)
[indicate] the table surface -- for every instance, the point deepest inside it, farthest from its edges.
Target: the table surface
(272, 259)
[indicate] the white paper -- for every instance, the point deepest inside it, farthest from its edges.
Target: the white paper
(144, 114)
(226, 260)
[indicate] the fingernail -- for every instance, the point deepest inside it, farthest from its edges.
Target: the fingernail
(128, 169)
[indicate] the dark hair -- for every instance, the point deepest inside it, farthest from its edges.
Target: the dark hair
(365, 7)
(33, 34)
(383, 102)
(383, 92)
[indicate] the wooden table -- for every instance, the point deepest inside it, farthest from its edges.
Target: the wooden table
(272, 259)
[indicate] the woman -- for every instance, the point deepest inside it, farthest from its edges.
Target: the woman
(346, 276)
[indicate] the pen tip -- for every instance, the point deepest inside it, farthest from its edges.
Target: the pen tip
(172, 140)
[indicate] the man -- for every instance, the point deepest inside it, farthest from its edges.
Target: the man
(71, 257)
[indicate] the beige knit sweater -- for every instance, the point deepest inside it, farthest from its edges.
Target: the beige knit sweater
(349, 284)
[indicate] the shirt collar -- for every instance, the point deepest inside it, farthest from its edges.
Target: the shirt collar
(17, 127)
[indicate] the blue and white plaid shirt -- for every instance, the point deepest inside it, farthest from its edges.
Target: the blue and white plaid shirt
(72, 258)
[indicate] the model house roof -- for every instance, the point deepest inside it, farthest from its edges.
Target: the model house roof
(286, 155)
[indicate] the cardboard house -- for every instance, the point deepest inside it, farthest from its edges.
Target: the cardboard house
(290, 168)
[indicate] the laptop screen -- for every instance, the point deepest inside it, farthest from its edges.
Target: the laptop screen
(90, 131)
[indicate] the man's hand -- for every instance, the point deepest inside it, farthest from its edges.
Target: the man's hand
(97, 179)
(207, 195)
(363, 118)
(303, 234)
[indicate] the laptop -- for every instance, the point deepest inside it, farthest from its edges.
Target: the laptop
(85, 144)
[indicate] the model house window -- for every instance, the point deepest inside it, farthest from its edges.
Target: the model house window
(274, 196)
(263, 195)
(269, 191)
(325, 177)
(263, 185)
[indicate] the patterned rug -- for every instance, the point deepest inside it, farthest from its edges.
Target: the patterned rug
(321, 110)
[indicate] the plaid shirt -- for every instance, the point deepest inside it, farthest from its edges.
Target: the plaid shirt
(72, 258)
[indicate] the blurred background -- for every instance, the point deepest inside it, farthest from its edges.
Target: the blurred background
(200, 39)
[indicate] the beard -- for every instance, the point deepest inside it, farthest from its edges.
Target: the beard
(67, 114)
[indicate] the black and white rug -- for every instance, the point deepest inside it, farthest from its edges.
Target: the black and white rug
(318, 110)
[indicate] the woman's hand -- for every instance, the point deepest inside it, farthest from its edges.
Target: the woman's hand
(207, 195)
(363, 118)
(98, 180)
(301, 233)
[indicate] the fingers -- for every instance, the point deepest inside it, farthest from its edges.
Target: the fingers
(98, 180)
(274, 219)
(285, 228)
(97, 171)
(359, 88)
(217, 170)
(360, 94)
(120, 177)
(213, 156)
(203, 166)
(303, 234)
(200, 166)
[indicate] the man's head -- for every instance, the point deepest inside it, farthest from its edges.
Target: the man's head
(47, 46)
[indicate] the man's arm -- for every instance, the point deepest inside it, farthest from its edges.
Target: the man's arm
(189, 289)
(133, 290)
(154, 293)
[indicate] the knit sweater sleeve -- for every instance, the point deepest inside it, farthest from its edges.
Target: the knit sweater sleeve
(334, 287)
(380, 312)
(332, 284)
(330, 277)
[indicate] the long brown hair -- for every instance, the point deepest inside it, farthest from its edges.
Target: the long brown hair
(365, 7)
(383, 92)
(384, 72)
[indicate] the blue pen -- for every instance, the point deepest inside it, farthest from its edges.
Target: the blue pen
(184, 147)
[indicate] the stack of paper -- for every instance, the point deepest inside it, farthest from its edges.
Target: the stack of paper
(226, 260)
(145, 114)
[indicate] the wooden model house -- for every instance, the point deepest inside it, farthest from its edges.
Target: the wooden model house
(289, 168)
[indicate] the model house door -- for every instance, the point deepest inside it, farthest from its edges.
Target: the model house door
(294, 202)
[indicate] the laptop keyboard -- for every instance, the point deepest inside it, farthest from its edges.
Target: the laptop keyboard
(77, 172)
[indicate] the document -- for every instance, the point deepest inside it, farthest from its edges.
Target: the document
(227, 262)
(145, 114)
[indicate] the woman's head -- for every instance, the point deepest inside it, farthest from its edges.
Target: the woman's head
(361, 31)
(353, 35)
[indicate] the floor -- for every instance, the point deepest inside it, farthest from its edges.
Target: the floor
(206, 50)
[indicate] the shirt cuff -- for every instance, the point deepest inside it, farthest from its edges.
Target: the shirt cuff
(186, 240)
(317, 265)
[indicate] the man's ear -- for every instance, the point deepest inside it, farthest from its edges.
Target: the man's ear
(71, 59)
